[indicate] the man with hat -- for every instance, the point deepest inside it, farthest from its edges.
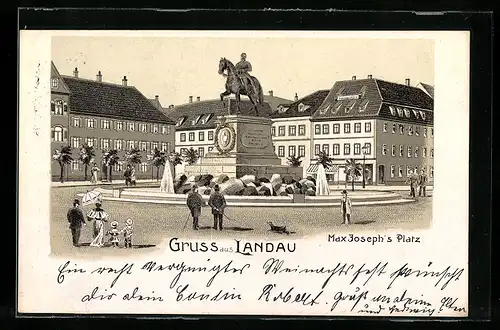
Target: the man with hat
(345, 208)
(242, 69)
(76, 219)
(194, 203)
(218, 203)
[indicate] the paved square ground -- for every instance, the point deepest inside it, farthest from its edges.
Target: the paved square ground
(154, 223)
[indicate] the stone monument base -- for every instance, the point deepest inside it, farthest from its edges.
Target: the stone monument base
(239, 170)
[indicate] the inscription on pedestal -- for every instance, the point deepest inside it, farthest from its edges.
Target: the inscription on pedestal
(255, 138)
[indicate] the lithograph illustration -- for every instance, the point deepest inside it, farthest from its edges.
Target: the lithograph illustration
(270, 152)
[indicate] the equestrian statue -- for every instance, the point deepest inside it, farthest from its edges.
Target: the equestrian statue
(240, 82)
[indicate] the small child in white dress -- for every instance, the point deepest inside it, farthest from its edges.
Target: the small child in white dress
(128, 231)
(114, 232)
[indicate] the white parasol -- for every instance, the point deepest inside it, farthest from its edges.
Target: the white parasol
(91, 197)
(322, 188)
(167, 181)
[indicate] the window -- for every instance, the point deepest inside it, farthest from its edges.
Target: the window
(75, 165)
(317, 129)
(302, 151)
(119, 167)
(417, 130)
(281, 151)
(384, 149)
(144, 167)
(76, 122)
(385, 127)
(400, 111)
(393, 128)
(416, 170)
(183, 151)
(144, 146)
(291, 150)
(416, 152)
(347, 128)
(424, 152)
(183, 137)
(408, 170)
(393, 170)
(302, 129)
(155, 128)
(191, 136)
(58, 134)
(422, 114)
(207, 118)
(90, 123)
(326, 149)
(130, 144)
(401, 129)
(55, 82)
(131, 126)
(57, 107)
(104, 144)
(210, 135)
(368, 127)
(407, 113)
(357, 148)
(119, 144)
(393, 150)
(415, 113)
(105, 124)
(317, 149)
(401, 150)
(425, 131)
(210, 149)
(163, 147)
(201, 151)
(400, 171)
(424, 170)
(431, 171)
(119, 125)
(326, 129)
(432, 132)
(368, 148)
(432, 152)
(393, 110)
(410, 130)
(169, 147)
(75, 142)
(154, 145)
(347, 148)
(143, 128)
(363, 105)
(89, 142)
(273, 131)
(292, 130)
(336, 128)
(357, 127)
(409, 151)
(281, 131)
(336, 149)
(201, 136)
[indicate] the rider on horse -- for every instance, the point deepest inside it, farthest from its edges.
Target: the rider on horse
(242, 69)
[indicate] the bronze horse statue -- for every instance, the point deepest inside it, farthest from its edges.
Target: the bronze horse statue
(236, 87)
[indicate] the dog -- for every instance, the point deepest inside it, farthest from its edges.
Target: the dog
(278, 229)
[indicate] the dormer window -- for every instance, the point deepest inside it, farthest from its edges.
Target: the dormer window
(415, 112)
(422, 114)
(207, 118)
(363, 105)
(393, 110)
(400, 111)
(340, 90)
(55, 82)
(196, 120)
(282, 109)
(337, 107)
(350, 106)
(322, 111)
(362, 91)
(180, 121)
(407, 113)
(303, 107)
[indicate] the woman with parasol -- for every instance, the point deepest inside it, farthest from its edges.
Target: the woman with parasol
(100, 217)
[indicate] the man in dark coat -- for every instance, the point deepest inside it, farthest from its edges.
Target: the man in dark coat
(422, 183)
(76, 219)
(194, 202)
(218, 203)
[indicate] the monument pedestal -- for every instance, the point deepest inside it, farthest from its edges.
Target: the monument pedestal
(243, 145)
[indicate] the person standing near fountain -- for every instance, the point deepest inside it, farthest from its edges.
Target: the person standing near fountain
(194, 203)
(218, 203)
(345, 208)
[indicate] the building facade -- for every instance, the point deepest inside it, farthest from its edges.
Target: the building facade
(111, 116)
(386, 126)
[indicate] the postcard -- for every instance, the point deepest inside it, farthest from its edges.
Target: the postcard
(271, 173)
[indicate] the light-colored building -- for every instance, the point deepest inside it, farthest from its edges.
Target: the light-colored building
(292, 131)
(386, 125)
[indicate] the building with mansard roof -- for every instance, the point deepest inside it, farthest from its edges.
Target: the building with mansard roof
(106, 116)
(385, 125)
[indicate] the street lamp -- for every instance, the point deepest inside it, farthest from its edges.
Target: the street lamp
(364, 150)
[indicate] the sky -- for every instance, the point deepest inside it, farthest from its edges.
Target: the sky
(175, 68)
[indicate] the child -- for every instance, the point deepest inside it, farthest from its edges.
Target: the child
(127, 233)
(114, 232)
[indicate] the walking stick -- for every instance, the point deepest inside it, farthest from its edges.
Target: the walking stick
(185, 223)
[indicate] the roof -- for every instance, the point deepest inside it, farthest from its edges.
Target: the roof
(428, 89)
(275, 101)
(369, 98)
(111, 100)
(313, 169)
(156, 103)
(203, 114)
(62, 87)
(303, 107)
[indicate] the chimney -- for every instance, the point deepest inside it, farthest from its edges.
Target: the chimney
(271, 93)
(124, 81)
(296, 97)
(75, 73)
(157, 98)
(353, 77)
(190, 99)
(99, 76)
(369, 76)
(198, 98)
(407, 81)
(171, 106)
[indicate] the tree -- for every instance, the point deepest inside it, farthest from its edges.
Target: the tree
(294, 161)
(133, 156)
(323, 158)
(110, 158)
(157, 158)
(175, 158)
(86, 156)
(190, 156)
(63, 157)
(353, 170)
